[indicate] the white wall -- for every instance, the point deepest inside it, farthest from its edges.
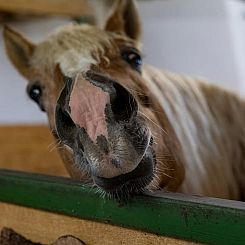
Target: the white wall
(197, 37)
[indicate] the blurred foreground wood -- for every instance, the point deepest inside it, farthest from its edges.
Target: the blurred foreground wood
(72, 8)
(30, 148)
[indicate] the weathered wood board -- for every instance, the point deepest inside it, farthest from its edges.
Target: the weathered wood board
(207, 220)
(31, 149)
(44, 227)
(73, 8)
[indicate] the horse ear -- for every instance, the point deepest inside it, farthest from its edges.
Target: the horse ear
(19, 50)
(125, 19)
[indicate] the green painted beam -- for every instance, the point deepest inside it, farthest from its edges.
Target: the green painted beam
(207, 220)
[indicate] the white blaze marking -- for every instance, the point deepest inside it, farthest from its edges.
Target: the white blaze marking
(87, 103)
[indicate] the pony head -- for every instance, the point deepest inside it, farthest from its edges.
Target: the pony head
(91, 83)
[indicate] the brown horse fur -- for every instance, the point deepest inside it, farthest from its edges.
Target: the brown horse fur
(197, 129)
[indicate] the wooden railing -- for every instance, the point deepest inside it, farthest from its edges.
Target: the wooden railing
(206, 220)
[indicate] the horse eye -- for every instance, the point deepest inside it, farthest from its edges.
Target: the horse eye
(35, 93)
(133, 58)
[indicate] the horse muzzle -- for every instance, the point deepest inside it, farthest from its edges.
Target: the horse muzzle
(97, 118)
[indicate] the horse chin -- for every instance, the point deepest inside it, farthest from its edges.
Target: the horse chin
(126, 185)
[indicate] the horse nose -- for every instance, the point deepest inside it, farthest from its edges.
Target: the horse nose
(92, 102)
(123, 105)
(93, 116)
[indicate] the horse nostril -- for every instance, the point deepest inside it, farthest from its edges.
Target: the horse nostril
(65, 127)
(124, 106)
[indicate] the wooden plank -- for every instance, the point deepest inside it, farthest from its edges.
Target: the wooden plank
(207, 220)
(73, 8)
(31, 149)
(44, 227)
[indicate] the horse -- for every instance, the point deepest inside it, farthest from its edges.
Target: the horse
(126, 127)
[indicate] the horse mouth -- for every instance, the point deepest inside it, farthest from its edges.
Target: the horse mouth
(117, 153)
(123, 186)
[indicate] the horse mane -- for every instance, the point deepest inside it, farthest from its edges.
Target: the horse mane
(64, 47)
(208, 122)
